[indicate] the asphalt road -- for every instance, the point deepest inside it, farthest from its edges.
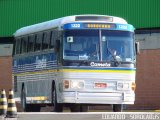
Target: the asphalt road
(55, 116)
(87, 116)
(59, 116)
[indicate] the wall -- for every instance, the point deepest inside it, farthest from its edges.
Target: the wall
(149, 40)
(6, 49)
(5, 73)
(148, 80)
(6, 46)
(18, 13)
(148, 71)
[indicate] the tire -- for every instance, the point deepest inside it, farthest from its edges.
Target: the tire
(24, 105)
(35, 108)
(75, 108)
(57, 107)
(28, 107)
(78, 108)
(117, 107)
(83, 108)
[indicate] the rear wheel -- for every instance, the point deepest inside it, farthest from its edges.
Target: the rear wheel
(57, 106)
(35, 108)
(25, 107)
(28, 107)
(117, 107)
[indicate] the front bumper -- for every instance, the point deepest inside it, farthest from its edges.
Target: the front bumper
(98, 98)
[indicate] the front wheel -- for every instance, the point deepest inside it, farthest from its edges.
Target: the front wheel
(84, 108)
(117, 107)
(57, 106)
(78, 108)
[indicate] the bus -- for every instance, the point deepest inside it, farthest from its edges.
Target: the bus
(75, 61)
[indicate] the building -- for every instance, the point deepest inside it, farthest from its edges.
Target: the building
(143, 14)
(6, 46)
(148, 69)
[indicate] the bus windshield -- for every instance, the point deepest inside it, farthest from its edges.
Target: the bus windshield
(98, 45)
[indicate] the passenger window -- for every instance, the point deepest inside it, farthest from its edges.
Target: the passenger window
(38, 44)
(24, 42)
(31, 43)
(18, 46)
(46, 40)
(53, 38)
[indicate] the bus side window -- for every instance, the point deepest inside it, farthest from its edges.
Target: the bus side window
(24, 42)
(31, 43)
(18, 46)
(38, 44)
(52, 39)
(46, 39)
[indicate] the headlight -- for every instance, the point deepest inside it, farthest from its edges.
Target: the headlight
(126, 86)
(122, 86)
(77, 84)
(133, 86)
(73, 84)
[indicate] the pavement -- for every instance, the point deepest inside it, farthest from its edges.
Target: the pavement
(86, 116)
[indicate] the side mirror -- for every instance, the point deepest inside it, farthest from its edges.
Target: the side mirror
(57, 45)
(137, 48)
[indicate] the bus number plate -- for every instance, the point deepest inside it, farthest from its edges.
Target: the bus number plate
(100, 85)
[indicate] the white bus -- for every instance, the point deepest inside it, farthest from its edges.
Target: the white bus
(75, 61)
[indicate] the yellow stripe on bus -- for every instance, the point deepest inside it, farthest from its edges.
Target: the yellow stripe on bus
(100, 71)
(77, 70)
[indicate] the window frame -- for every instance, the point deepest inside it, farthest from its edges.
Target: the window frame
(46, 39)
(24, 49)
(39, 37)
(17, 49)
(33, 36)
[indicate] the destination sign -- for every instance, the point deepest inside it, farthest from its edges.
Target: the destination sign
(109, 26)
(100, 25)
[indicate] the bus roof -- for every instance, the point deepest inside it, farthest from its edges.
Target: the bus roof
(57, 23)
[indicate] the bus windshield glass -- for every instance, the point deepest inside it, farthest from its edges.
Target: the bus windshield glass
(98, 45)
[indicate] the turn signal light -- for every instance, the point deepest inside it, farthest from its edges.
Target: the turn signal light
(133, 86)
(66, 84)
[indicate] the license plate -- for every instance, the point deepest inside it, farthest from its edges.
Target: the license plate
(100, 85)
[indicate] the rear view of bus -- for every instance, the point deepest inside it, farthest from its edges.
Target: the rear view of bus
(98, 61)
(75, 61)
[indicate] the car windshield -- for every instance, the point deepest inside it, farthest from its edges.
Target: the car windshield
(98, 45)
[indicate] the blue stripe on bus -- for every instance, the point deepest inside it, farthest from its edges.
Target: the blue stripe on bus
(34, 63)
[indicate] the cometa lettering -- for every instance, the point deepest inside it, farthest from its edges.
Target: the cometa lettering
(100, 64)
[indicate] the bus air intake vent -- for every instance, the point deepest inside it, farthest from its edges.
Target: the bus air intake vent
(94, 18)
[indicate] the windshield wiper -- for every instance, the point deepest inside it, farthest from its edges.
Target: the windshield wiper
(113, 56)
(83, 62)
